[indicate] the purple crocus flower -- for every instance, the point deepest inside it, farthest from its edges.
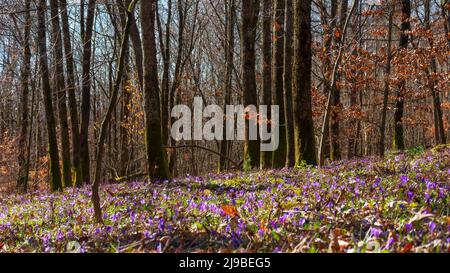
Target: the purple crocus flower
(161, 225)
(404, 179)
(375, 232)
(389, 243)
(301, 222)
(410, 195)
(408, 227)
(59, 236)
(432, 226)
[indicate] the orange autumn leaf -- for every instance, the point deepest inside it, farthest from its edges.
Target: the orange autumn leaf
(407, 248)
(263, 227)
(230, 210)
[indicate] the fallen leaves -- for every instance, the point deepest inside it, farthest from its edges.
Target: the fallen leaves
(407, 248)
(230, 211)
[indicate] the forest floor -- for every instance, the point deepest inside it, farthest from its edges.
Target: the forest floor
(398, 204)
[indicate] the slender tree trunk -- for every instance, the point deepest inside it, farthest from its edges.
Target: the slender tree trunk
(387, 73)
(266, 157)
(287, 88)
(250, 11)
(86, 94)
(165, 79)
(279, 156)
(305, 144)
(107, 118)
(55, 172)
(156, 157)
(124, 156)
(330, 22)
(229, 57)
(124, 152)
(335, 149)
(399, 138)
(432, 82)
(353, 135)
(60, 88)
(173, 95)
(337, 62)
(22, 182)
(82, 19)
(137, 48)
(71, 89)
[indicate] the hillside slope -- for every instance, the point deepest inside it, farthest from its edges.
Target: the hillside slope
(398, 204)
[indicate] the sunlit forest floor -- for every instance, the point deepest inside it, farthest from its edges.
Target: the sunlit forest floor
(399, 204)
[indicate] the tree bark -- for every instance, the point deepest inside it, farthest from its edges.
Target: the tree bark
(305, 144)
(60, 88)
(440, 135)
(387, 73)
(337, 62)
(22, 182)
(399, 139)
(86, 93)
(266, 157)
(107, 118)
(156, 157)
(250, 11)
(335, 147)
(165, 79)
(55, 172)
(229, 57)
(71, 89)
(330, 22)
(287, 88)
(279, 156)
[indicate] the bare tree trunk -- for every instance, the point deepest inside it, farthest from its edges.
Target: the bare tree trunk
(335, 148)
(330, 22)
(55, 172)
(305, 144)
(60, 87)
(107, 118)
(354, 128)
(156, 157)
(137, 48)
(165, 79)
(71, 88)
(229, 56)
(326, 118)
(279, 156)
(432, 82)
(266, 157)
(287, 88)
(86, 94)
(387, 74)
(250, 11)
(124, 154)
(82, 19)
(22, 182)
(177, 75)
(399, 139)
